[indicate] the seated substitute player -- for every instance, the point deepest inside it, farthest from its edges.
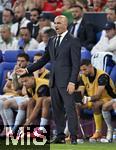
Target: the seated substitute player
(37, 90)
(12, 89)
(107, 117)
(100, 90)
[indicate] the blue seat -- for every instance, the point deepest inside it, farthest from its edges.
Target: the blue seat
(1, 56)
(11, 55)
(32, 53)
(113, 74)
(98, 36)
(9, 61)
(85, 54)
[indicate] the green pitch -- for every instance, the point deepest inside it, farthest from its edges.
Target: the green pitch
(85, 146)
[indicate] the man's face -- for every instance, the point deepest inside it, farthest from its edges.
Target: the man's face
(77, 13)
(111, 3)
(34, 16)
(60, 25)
(25, 35)
(85, 69)
(5, 34)
(110, 33)
(111, 16)
(28, 82)
(19, 13)
(22, 62)
(6, 17)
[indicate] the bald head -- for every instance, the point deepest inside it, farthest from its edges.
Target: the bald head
(19, 12)
(61, 24)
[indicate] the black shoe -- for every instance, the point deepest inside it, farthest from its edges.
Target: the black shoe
(59, 141)
(73, 139)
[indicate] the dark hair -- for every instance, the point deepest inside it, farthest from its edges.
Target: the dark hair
(50, 32)
(24, 55)
(10, 10)
(85, 62)
(36, 9)
(38, 54)
(26, 75)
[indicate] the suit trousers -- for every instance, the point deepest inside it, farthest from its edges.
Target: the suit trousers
(63, 102)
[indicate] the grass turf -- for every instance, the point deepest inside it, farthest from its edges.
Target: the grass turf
(84, 146)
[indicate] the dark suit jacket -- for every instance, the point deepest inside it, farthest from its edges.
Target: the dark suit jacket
(32, 27)
(65, 63)
(86, 34)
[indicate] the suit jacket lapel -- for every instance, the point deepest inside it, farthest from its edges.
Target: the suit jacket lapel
(63, 42)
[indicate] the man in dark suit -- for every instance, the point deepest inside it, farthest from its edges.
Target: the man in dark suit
(81, 28)
(64, 55)
(34, 24)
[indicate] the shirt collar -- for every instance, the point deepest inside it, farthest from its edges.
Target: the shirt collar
(63, 34)
(79, 21)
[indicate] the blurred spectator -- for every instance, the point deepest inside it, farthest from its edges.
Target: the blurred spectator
(108, 43)
(45, 20)
(45, 37)
(111, 16)
(7, 16)
(5, 4)
(81, 28)
(21, 20)
(21, 3)
(7, 41)
(66, 9)
(25, 41)
(43, 5)
(97, 6)
(111, 4)
(34, 24)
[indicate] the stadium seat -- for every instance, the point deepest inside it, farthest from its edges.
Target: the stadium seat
(1, 57)
(11, 55)
(113, 74)
(32, 53)
(103, 61)
(85, 54)
(98, 36)
(9, 60)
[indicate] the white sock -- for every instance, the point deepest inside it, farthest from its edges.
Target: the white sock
(9, 116)
(66, 130)
(107, 118)
(43, 122)
(19, 119)
(2, 114)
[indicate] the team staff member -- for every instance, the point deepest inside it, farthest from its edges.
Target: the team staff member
(63, 51)
(100, 90)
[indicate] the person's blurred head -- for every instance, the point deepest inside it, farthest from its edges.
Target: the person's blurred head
(27, 80)
(37, 56)
(110, 29)
(97, 3)
(47, 34)
(7, 16)
(61, 24)
(44, 20)
(5, 33)
(111, 4)
(22, 60)
(77, 12)
(19, 13)
(25, 34)
(86, 67)
(111, 14)
(34, 15)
